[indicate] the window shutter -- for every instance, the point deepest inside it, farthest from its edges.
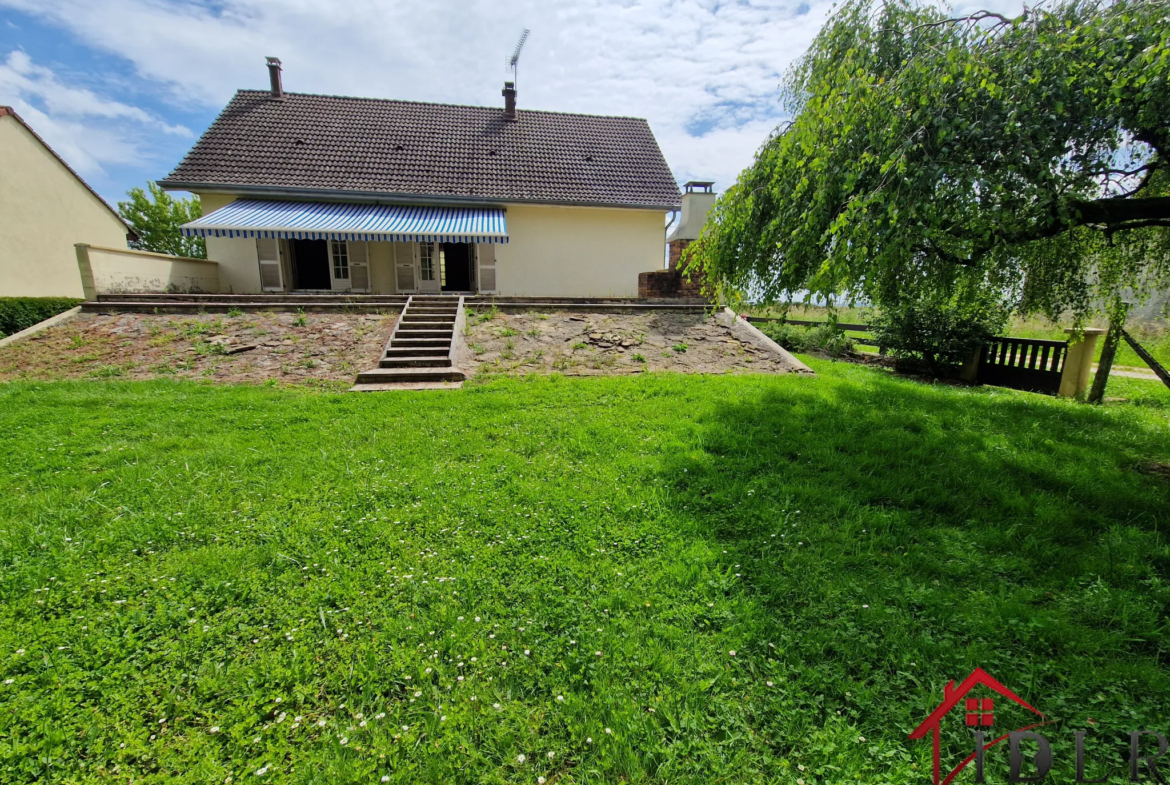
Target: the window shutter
(268, 255)
(486, 266)
(359, 267)
(404, 270)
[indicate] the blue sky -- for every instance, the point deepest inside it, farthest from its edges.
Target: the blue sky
(122, 88)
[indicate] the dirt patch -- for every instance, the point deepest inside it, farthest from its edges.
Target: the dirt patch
(252, 347)
(593, 344)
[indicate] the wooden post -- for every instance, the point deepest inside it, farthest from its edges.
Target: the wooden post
(1105, 365)
(970, 369)
(1078, 363)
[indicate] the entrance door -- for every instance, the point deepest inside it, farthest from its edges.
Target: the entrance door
(310, 260)
(457, 272)
(339, 275)
(426, 262)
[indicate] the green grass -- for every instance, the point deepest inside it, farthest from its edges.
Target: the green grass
(202, 582)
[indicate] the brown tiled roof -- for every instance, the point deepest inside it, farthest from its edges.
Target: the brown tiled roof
(378, 147)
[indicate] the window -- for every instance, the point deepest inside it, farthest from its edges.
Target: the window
(426, 261)
(980, 711)
(340, 255)
(442, 266)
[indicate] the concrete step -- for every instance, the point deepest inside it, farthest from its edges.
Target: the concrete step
(390, 375)
(419, 351)
(427, 325)
(429, 313)
(422, 361)
(440, 344)
(401, 333)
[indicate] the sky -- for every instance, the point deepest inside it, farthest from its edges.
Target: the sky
(121, 89)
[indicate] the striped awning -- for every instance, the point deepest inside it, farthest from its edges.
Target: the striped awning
(370, 222)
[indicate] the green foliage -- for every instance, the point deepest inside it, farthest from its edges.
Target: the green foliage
(188, 568)
(156, 218)
(928, 154)
(937, 336)
(20, 313)
(826, 338)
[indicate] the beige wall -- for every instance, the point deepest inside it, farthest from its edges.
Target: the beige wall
(551, 251)
(578, 251)
(44, 211)
(122, 271)
(239, 269)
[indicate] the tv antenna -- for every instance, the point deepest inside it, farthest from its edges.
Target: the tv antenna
(515, 58)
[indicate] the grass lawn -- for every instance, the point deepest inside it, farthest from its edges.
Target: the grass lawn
(648, 579)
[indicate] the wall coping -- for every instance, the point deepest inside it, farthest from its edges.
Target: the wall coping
(151, 254)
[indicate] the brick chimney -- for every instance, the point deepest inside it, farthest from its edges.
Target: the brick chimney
(274, 77)
(670, 284)
(509, 94)
(698, 196)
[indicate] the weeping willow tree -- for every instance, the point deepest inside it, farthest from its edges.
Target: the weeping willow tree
(929, 155)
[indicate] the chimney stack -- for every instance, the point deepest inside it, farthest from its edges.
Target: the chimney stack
(274, 77)
(509, 94)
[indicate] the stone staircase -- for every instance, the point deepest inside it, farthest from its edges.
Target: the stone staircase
(418, 354)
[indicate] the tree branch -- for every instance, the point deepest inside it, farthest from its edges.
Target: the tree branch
(1120, 210)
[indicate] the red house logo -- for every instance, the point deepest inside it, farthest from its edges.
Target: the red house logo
(977, 713)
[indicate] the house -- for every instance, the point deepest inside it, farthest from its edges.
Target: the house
(45, 208)
(318, 193)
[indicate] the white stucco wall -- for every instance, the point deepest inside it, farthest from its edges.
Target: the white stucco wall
(123, 271)
(551, 251)
(578, 251)
(44, 211)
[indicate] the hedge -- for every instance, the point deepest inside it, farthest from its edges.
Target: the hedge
(20, 313)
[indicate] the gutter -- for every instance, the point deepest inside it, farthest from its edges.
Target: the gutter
(367, 197)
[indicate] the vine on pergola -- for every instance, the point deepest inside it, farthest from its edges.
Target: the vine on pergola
(929, 154)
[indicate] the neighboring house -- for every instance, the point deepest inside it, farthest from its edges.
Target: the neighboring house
(323, 193)
(45, 208)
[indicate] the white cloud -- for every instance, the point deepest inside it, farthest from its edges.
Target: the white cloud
(704, 72)
(86, 129)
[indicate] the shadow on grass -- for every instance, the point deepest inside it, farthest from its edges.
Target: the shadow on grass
(895, 536)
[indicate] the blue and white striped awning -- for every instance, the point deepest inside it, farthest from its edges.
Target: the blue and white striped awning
(369, 222)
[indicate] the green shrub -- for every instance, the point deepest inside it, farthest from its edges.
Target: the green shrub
(20, 313)
(826, 338)
(937, 336)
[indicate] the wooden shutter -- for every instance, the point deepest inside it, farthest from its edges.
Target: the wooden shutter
(359, 267)
(486, 267)
(404, 270)
(268, 255)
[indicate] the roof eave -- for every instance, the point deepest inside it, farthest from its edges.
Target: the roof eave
(380, 197)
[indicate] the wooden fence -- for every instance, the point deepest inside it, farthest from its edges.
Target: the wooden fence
(1032, 364)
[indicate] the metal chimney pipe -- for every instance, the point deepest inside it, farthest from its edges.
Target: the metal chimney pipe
(274, 77)
(509, 94)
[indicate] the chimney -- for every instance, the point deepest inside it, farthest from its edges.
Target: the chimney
(509, 100)
(274, 76)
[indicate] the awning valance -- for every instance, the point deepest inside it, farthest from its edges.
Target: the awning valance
(370, 222)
